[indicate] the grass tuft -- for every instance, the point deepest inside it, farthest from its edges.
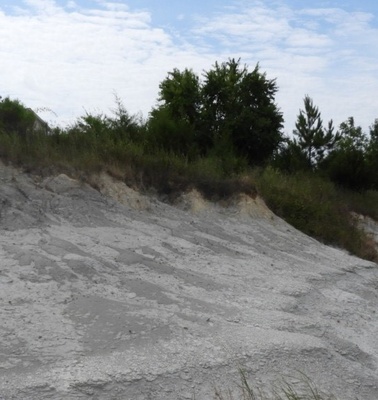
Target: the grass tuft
(303, 389)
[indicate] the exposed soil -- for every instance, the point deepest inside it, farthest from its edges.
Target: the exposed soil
(108, 294)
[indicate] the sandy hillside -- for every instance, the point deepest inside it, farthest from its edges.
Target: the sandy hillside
(113, 295)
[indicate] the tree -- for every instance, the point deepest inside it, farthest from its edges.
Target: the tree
(372, 153)
(232, 111)
(314, 140)
(171, 134)
(180, 93)
(124, 126)
(15, 117)
(289, 157)
(352, 136)
(239, 105)
(172, 125)
(373, 130)
(347, 164)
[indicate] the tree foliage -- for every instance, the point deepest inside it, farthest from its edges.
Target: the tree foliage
(180, 94)
(372, 153)
(290, 157)
(347, 164)
(240, 105)
(15, 117)
(125, 126)
(373, 130)
(232, 111)
(174, 135)
(314, 140)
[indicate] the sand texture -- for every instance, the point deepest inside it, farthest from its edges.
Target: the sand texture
(108, 294)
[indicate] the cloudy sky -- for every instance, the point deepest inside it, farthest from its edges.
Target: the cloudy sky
(73, 56)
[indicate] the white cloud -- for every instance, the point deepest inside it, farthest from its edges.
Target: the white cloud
(43, 6)
(328, 53)
(69, 58)
(71, 4)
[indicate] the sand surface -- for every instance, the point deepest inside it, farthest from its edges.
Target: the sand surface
(112, 295)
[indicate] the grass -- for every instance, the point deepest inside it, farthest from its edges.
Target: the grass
(318, 208)
(309, 202)
(80, 154)
(365, 203)
(303, 389)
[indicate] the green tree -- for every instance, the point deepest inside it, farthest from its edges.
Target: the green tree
(172, 125)
(95, 125)
(352, 136)
(289, 157)
(372, 153)
(231, 113)
(124, 126)
(180, 93)
(347, 164)
(373, 130)
(174, 135)
(15, 117)
(315, 140)
(239, 105)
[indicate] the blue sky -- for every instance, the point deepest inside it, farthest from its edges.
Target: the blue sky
(73, 56)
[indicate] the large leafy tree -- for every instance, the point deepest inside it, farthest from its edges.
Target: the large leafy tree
(310, 134)
(232, 111)
(180, 93)
(239, 105)
(172, 125)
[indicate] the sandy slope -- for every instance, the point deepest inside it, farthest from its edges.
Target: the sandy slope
(114, 295)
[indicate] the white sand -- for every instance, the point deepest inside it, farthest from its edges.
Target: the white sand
(115, 295)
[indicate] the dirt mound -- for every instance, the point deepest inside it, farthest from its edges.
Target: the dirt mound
(241, 205)
(120, 192)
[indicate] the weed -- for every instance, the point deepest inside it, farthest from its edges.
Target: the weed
(309, 202)
(318, 208)
(303, 389)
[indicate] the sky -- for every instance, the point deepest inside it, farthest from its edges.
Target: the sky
(64, 58)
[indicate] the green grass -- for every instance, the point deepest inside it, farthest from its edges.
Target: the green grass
(365, 203)
(309, 202)
(318, 208)
(143, 168)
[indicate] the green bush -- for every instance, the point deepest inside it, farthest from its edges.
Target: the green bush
(313, 205)
(15, 117)
(171, 135)
(144, 158)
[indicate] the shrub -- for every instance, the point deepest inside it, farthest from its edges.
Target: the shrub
(15, 117)
(313, 205)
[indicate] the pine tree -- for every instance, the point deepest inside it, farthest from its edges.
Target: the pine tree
(314, 140)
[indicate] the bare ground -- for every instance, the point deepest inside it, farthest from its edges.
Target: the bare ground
(113, 295)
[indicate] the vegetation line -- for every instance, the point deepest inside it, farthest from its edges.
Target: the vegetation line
(222, 135)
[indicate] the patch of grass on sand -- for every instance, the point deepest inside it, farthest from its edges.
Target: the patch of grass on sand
(302, 389)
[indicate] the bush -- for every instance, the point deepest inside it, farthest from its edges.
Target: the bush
(15, 117)
(309, 202)
(314, 206)
(171, 135)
